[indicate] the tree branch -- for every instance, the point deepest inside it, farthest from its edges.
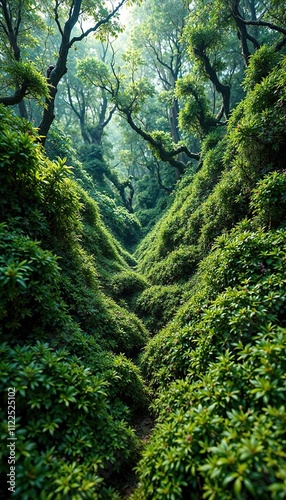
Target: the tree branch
(263, 23)
(57, 18)
(281, 44)
(161, 185)
(17, 97)
(224, 90)
(97, 25)
(164, 155)
(77, 113)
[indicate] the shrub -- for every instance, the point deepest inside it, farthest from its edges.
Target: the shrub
(178, 266)
(240, 287)
(30, 302)
(114, 327)
(256, 139)
(68, 439)
(269, 200)
(126, 284)
(260, 65)
(158, 304)
(122, 224)
(222, 436)
(126, 391)
(243, 258)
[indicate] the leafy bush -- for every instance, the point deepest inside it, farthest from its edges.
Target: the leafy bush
(30, 302)
(126, 391)
(123, 225)
(158, 304)
(178, 266)
(240, 287)
(256, 141)
(222, 436)
(260, 65)
(68, 439)
(127, 284)
(113, 326)
(269, 200)
(182, 223)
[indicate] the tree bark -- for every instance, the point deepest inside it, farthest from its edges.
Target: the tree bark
(58, 71)
(60, 68)
(12, 36)
(224, 90)
(16, 98)
(241, 30)
(164, 155)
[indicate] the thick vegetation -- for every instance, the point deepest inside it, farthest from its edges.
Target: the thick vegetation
(189, 330)
(217, 370)
(78, 434)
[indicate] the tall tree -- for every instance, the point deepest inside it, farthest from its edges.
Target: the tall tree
(22, 79)
(129, 91)
(253, 19)
(75, 13)
(74, 21)
(159, 37)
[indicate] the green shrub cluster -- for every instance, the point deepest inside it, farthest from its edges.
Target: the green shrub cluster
(217, 370)
(221, 194)
(122, 224)
(240, 287)
(218, 374)
(30, 301)
(57, 266)
(69, 438)
(126, 390)
(256, 143)
(41, 198)
(221, 435)
(269, 200)
(157, 305)
(180, 224)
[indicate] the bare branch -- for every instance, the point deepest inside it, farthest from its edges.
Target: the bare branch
(265, 24)
(164, 155)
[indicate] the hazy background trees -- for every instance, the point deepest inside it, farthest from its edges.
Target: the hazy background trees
(135, 94)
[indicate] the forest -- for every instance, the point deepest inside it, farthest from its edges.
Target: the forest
(143, 249)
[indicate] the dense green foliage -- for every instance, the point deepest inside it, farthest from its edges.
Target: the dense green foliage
(221, 433)
(67, 434)
(217, 370)
(63, 298)
(174, 149)
(218, 196)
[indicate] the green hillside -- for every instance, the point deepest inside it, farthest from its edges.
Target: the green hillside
(66, 339)
(216, 264)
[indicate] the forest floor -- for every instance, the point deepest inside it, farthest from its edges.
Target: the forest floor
(143, 428)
